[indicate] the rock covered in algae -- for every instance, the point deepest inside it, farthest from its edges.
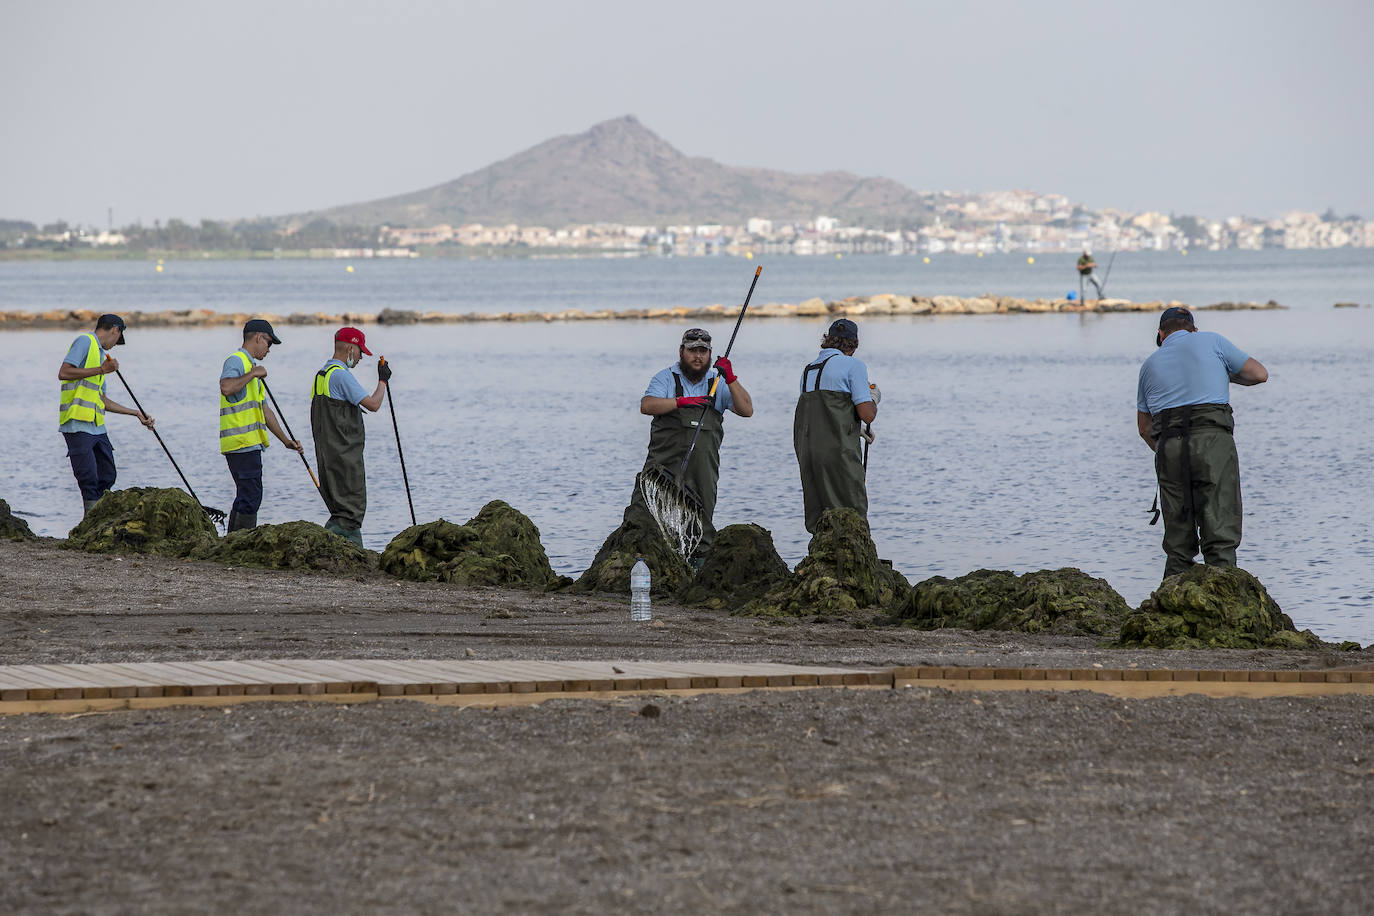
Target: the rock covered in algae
(841, 573)
(144, 520)
(293, 545)
(1213, 607)
(741, 565)
(12, 526)
(637, 536)
(1066, 601)
(499, 546)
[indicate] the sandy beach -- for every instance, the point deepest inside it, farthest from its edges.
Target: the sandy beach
(807, 801)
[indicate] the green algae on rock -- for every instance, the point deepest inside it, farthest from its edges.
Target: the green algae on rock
(1212, 607)
(1062, 601)
(292, 545)
(741, 565)
(499, 546)
(840, 574)
(144, 520)
(12, 526)
(636, 537)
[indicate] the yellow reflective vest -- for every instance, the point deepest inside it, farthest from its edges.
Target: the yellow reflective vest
(243, 423)
(83, 398)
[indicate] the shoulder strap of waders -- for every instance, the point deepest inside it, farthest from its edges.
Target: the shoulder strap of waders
(819, 367)
(677, 385)
(1185, 466)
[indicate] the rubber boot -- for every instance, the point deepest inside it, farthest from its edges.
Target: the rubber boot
(242, 521)
(87, 505)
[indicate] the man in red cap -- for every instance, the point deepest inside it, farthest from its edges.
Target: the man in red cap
(337, 424)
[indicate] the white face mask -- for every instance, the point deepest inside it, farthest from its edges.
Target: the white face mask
(351, 362)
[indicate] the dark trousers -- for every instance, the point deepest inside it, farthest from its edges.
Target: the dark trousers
(246, 469)
(93, 464)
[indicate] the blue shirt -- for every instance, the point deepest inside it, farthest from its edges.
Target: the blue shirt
(841, 373)
(233, 368)
(342, 385)
(1191, 367)
(76, 356)
(661, 386)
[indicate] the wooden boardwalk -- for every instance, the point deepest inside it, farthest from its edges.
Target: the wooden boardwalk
(90, 687)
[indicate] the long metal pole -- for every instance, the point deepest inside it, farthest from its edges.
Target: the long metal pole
(400, 453)
(214, 514)
(281, 416)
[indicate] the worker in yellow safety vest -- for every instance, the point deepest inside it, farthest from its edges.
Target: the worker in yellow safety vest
(84, 403)
(245, 418)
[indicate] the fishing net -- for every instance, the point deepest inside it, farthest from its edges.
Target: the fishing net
(677, 510)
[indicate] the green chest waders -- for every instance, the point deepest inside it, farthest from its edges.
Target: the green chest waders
(825, 436)
(670, 434)
(339, 435)
(1199, 484)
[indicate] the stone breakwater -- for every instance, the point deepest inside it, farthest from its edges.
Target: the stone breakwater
(882, 304)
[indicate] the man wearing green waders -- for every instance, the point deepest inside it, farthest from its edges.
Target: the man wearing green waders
(337, 424)
(1183, 413)
(826, 428)
(678, 399)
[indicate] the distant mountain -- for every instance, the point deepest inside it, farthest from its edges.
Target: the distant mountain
(620, 171)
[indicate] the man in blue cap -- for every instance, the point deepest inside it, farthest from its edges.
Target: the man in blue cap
(835, 404)
(245, 418)
(1183, 413)
(81, 414)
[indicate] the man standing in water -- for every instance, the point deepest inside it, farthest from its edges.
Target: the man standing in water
(81, 413)
(1086, 266)
(835, 400)
(245, 418)
(337, 424)
(1183, 413)
(678, 398)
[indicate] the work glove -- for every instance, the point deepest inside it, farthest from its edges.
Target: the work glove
(868, 435)
(700, 400)
(726, 370)
(383, 371)
(877, 394)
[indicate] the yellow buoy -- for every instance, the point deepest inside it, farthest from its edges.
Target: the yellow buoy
(838, 255)
(925, 260)
(1030, 260)
(159, 268)
(749, 256)
(349, 268)
(980, 254)
(1185, 252)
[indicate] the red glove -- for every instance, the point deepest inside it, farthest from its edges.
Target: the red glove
(727, 371)
(700, 400)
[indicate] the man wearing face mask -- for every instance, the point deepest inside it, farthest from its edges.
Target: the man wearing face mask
(678, 399)
(337, 424)
(1183, 413)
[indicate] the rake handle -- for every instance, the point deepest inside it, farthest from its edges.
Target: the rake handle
(125, 383)
(711, 393)
(287, 426)
(400, 454)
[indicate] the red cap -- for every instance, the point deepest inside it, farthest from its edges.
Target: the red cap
(353, 336)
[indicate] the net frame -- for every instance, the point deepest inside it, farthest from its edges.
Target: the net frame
(676, 511)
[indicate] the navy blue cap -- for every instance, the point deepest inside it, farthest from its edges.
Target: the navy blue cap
(1176, 312)
(111, 321)
(844, 329)
(253, 325)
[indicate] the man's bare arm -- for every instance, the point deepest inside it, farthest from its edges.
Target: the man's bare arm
(1142, 425)
(1252, 373)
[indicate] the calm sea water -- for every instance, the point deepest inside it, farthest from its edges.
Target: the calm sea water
(1004, 441)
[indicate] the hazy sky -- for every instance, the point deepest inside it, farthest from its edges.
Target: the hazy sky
(233, 109)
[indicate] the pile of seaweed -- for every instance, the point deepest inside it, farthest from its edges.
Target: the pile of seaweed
(499, 546)
(12, 526)
(741, 565)
(144, 520)
(1212, 607)
(841, 574)
(293, 545)
(1063, 601)
(637, 536)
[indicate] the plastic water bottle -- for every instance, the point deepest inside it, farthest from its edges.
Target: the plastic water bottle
(639, 592)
